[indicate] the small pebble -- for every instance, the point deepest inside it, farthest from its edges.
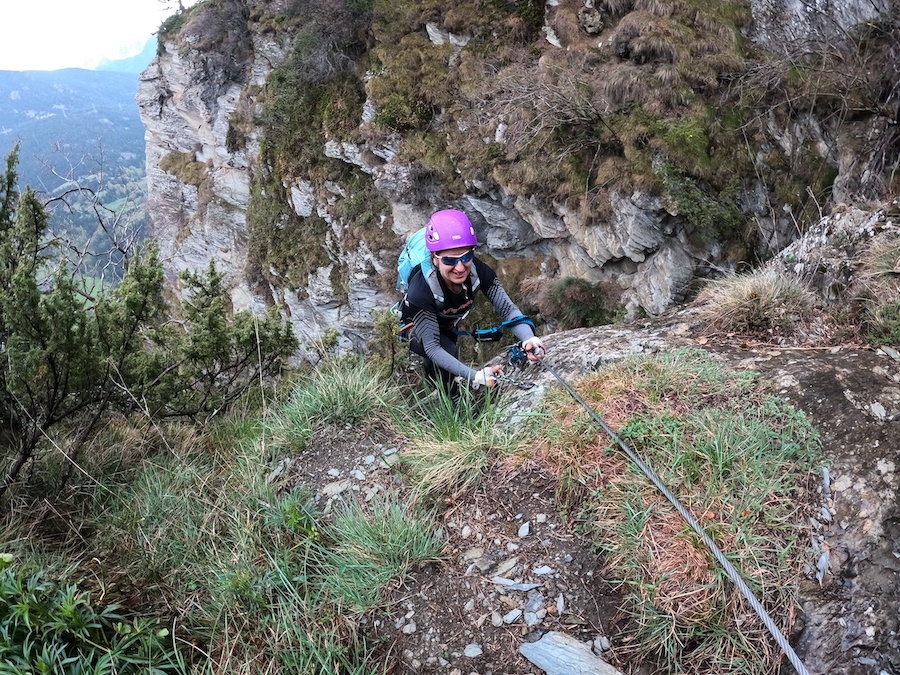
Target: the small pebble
(512, 615)
(473, 650)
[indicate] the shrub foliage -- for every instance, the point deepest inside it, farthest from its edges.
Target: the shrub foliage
(71, 358)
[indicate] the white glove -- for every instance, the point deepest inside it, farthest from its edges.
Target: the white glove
(534, 348)
(486, 376)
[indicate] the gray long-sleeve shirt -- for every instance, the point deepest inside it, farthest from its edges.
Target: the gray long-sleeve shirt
(421, 307)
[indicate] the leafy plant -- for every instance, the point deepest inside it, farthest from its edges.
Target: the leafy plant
(50, 627)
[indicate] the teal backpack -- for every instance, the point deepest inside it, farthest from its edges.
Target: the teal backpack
(414, 254)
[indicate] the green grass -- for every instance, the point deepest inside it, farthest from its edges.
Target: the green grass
(880, 273)
(257, 571)
(450, 445)
(203, 528)
(374, 545)
(735, 457)
(340, 391)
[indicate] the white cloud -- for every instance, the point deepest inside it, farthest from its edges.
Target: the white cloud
(52, 34)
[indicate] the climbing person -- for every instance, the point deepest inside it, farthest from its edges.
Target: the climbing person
(439, 296)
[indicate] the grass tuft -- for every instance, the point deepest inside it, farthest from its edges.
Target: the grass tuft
(880, 276)
(451, 444)
(758, 301)
(344, 390)
(375, 545)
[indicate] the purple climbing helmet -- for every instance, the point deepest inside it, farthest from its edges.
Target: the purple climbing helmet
(449, 229)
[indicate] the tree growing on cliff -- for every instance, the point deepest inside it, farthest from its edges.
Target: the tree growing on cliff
(68, 358)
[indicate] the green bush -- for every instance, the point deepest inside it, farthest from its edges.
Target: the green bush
(576, 303)
(401, 113)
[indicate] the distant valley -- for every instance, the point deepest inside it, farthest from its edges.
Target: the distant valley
(77, 128)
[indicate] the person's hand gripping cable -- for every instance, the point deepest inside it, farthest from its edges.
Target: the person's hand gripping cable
(487, 376)
(534, 348)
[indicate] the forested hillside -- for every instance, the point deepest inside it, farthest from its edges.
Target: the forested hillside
(77, 129)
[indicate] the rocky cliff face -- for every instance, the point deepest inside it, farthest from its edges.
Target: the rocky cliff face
(793, 26)
(202, 98)
(199, 190)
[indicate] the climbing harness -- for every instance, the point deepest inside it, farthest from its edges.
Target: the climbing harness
(495, 333)
(518, 359)
(492, 334)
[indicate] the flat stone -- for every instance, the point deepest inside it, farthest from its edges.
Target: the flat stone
(512, 615)
(506, 566)
(335, 488)
(560, 654)
(473, 650)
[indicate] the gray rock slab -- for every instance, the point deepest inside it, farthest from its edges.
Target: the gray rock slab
(560, 654)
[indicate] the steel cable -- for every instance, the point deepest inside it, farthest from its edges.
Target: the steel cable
(717, 553)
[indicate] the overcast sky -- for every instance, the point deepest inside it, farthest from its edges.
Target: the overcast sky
(53, 34)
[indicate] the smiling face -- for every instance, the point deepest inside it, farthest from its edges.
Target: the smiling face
(457, 273)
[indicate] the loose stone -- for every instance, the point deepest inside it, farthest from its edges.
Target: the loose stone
(473, 650)
(506, 566)
(512, 615)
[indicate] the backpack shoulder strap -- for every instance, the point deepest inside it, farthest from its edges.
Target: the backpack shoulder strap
(431, 277)
(473, 277)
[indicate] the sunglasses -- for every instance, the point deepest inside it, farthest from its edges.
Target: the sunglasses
(450, 261)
